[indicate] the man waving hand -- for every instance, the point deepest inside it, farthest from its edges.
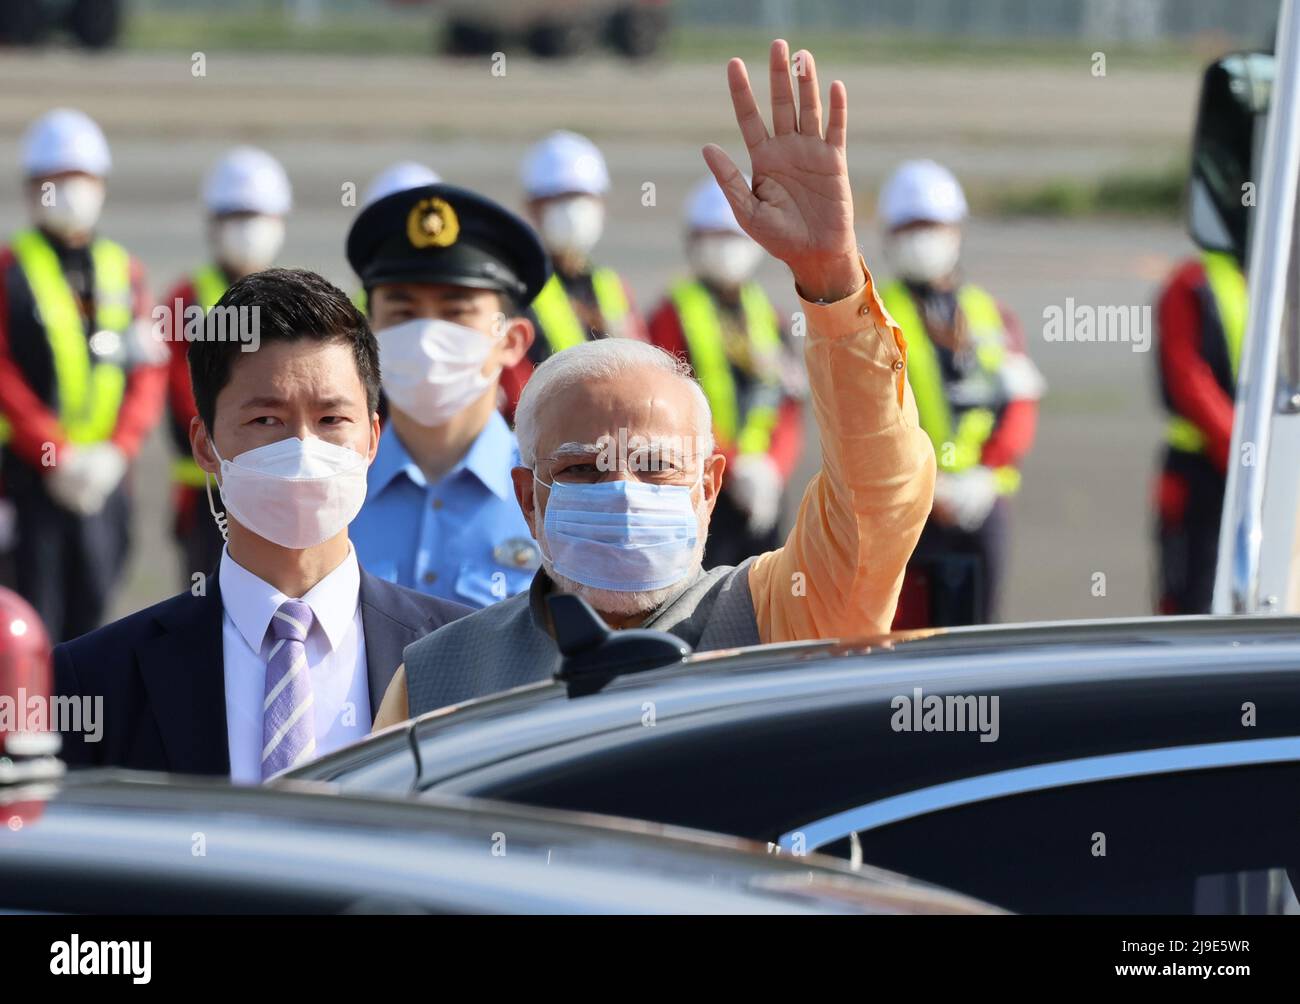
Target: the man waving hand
(628, 536)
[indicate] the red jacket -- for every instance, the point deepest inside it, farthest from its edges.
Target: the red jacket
(1192, 384)
(33, 423)
(180, 396)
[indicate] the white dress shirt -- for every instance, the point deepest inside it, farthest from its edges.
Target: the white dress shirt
(336, 660)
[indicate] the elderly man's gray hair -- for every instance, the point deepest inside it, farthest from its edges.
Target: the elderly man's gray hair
(600, 360)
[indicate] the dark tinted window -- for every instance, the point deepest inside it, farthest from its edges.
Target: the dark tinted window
(1179, 843)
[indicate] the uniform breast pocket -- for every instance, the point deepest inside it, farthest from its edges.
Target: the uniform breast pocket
(481, 585)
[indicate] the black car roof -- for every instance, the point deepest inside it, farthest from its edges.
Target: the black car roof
(428, 853)
(499, 726)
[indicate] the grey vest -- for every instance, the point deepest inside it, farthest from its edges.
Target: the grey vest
(506, 645)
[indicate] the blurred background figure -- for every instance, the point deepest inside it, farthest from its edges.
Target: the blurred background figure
(1200, 323)
(398, 178)
(81, 380)
(448, 276)
(976, 395)
(565, 181)
(247, 196)
(722, 322)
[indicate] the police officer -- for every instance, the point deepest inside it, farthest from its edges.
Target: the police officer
(81, 378)
(247, 196)
(565, 181)
(721, 320)
(976, 396)
(448, 275)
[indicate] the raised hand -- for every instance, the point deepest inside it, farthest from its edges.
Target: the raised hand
(800, 208)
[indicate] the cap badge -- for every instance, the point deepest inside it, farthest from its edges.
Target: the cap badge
(432, 223)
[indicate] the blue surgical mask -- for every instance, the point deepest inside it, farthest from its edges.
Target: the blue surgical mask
(623, 536)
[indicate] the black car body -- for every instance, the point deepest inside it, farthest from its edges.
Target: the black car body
(1138, 766)
(108, 841)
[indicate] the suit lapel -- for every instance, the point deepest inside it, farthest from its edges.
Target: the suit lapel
(387, 633)
(184, 675)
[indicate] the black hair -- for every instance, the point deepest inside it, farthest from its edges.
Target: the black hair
(291, 304)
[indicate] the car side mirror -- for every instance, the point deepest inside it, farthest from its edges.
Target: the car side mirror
(591, 654)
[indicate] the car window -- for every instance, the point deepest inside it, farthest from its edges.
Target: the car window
(1202, 841)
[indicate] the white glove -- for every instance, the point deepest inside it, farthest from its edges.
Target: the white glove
(69, 483)
(106, 465)
(83, 478)
(967, 496)
(754, 484)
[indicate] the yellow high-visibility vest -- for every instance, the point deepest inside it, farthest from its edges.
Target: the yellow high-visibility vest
(960, 448)
(1228, 288)
(90, 389)
(210, 285)
(702, 328)
(559, 321)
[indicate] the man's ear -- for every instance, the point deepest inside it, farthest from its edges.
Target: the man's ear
(712, 480)
(374, 436)
(516, 339)
(201, 447)
(522, 478)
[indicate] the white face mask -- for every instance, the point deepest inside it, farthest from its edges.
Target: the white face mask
(926, 254)
(433, 369)
(572, 226)
(248, 243)
(724, 259)
(295, 492)
(74, 206)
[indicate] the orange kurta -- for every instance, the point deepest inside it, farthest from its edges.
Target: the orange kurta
(840, 570)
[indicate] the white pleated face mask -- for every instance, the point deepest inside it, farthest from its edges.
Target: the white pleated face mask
(249, 242)
(572, 225)
(433, 369)
(926, 254)
(295, 492)
(725, 259)
(74, 207)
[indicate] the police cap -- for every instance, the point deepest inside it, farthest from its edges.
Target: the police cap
(445, 234)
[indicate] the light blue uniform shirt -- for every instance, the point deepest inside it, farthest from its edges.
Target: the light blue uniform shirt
(463, 537)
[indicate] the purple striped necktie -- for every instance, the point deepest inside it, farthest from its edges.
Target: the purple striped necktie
(288, 722)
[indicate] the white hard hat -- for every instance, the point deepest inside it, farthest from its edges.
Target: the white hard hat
(398, 178)
(564, 162)
(921, 190)
(247, 180)
(65, 140)
(707, 208)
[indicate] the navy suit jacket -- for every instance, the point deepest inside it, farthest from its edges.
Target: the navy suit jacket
(162, 675)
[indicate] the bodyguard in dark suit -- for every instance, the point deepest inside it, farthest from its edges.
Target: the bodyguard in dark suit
(285, 651)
